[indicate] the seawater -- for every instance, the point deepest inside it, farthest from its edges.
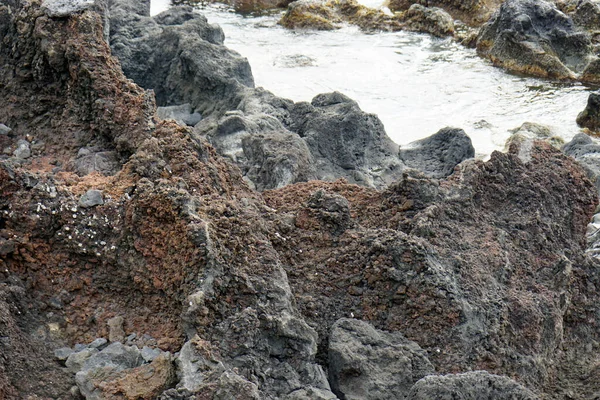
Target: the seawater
(415, 83)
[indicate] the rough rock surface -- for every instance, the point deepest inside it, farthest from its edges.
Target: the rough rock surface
(472, 12)
(590, 116)
(463, 285)
(478, 385)
(332, 14)
(484, 270)
(368, 364)
(437, 155)
(535, 38)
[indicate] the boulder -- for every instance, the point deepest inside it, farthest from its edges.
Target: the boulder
(366, 363)
(587, 14)
(590, 116)
(472, 12)
(530, 131)
(476, 385)
(535, 38)
(587, 153)
(201, 71)
(345, 141)
(431, 20)
(437, 155)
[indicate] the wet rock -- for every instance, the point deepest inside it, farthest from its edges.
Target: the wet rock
(183, 114)
(472, 12)
(116, 331)
(590, 116)
(365, 363)
(246, 6)
(431, 20)
(91, 198)
(23, 150)
(477, 385)
(587, 14)
(311, 14)
(4, 130)
(438, 154)
(535, 38)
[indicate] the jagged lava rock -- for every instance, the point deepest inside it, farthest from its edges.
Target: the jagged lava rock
(472, 12)
(590, 116)
(535, 38)
(366, 363)
(437, 155)
(477, 385)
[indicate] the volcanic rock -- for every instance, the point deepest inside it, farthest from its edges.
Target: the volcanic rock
(365, 363)
(535, 38)
(477, 385)
(437, 155)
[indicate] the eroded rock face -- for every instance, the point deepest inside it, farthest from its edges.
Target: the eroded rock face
(459, 284)
(535, 38)
(472, 12)
(478, 385)
(437, 155)
(365, 363)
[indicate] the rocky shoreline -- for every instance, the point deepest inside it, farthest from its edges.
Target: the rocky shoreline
(231, 244)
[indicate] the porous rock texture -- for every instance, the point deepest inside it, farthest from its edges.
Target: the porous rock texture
(472, 12)
(483, 270)
(534, 37)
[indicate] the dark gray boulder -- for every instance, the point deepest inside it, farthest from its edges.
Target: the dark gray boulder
(437, 155)
(587, 152)
(590, 116)
(477, 385)
(179, 55)
(345, 141)
(536, 38)
(368, 364)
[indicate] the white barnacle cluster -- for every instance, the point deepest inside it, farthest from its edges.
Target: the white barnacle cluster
(86, 231)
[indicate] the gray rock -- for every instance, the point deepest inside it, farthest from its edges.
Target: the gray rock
(98, 343)
(23, 151)
(4, 130)
(113, 359)
(103, 162)
(311, 394)
(91, 198)
(477, 385)
(194, 366)
(437, 155)
(183, 114)
(367, 364)
(587, 152)
(63, 353)
(431, 20)
(149, 354)
(115, 327)
(76, 360)
(7, 246)
(534, 37)
(115, 355)
(587, 14)
(64, 8)
(180, 56)
(590, 116)
(345, 141)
